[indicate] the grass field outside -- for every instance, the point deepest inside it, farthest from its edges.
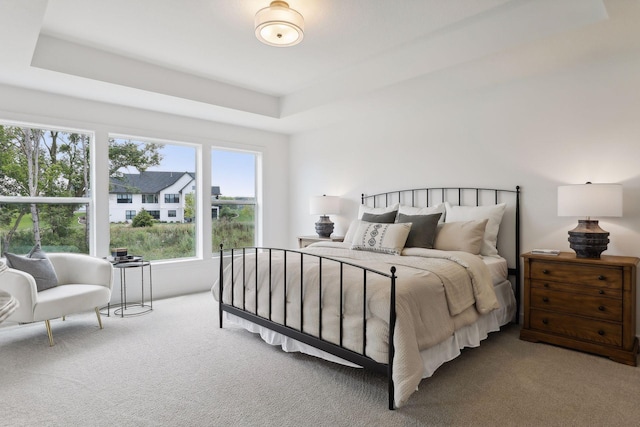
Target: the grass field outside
(160, 242)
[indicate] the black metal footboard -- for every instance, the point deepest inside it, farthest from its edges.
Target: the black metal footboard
(239, 308)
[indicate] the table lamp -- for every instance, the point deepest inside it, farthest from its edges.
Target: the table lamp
(324, 206)
(588, 200)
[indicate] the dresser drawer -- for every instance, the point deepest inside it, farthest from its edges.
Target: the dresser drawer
(577, 327)
(572, 303)
(596, 291)
(600, 276)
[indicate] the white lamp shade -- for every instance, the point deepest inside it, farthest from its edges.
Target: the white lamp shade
(324, 205)
(279, 25)
(590, 200)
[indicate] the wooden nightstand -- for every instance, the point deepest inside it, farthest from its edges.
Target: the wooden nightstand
(583, 304)
(304, 241)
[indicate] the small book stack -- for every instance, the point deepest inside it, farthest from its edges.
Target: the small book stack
(545, 251)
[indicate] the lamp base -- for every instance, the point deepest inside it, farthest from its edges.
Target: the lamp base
(588, 240)
(324, 227)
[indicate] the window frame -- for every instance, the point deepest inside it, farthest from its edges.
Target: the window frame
(197, 148)
(124, 198)
(89, 201)
(154, 197)
(172, 198)
(257, 198)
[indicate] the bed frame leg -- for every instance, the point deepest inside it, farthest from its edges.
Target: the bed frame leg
(220, 281)
(392, 329)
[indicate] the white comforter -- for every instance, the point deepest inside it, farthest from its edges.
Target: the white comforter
(436, 293)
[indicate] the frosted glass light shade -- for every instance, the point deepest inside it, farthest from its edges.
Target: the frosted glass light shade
(590, 200)
(279, 25)
(324, 205)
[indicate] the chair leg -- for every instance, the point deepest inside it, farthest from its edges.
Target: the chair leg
(49, 333)
(99, 318)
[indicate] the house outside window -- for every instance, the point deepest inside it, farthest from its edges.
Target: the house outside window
(172, 198)
(124, 198)
(164, 190)
(130, 214)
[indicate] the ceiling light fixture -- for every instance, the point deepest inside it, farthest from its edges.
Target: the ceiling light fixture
(279, 25)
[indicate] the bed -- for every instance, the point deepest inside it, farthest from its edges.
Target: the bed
(421, 274)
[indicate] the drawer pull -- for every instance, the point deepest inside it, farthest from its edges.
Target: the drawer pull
(545, 321)
(545, 271)
(601, 292)
(601, 277)
(600, 332)
(545, 299)
(546, 285)
(601, 308)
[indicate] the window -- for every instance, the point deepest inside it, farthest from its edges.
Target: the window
(149, 198)
(162, 172)
(233, 198)
(172, 198)
(125, 198)
(130, 214)
(49, 170)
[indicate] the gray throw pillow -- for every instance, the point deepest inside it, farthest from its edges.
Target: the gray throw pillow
(383, 218)
(37, 265)
(423, 230)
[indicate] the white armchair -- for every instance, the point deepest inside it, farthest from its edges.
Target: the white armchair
(84, 283)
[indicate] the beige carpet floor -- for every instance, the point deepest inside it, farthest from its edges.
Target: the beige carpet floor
(175, 367)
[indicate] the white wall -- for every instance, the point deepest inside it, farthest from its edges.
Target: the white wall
(169, 278)
(541, 132)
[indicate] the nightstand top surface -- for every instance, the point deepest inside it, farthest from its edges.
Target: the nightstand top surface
(571, 256)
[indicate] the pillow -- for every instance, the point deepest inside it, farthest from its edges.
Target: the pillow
(410, 210)
(383, 218)
(351, 231)
(383, 238)
(493, 213)
(376, 211)
(37, 265)
(466, 236)
(423, 230)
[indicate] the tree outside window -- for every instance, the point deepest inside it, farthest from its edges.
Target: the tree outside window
(50, 168)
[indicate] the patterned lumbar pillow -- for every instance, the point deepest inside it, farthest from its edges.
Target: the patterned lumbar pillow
(383, 238)
(37, 265)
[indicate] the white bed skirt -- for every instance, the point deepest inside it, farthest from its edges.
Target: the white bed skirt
(432, 358)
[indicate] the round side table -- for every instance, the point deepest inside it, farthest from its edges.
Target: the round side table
(128, 308)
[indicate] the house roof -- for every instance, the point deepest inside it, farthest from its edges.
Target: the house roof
(149, 182)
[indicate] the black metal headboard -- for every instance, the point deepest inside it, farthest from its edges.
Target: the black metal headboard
(508, 244)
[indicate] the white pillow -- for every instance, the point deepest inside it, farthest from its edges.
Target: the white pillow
(493, 213)
(382, 238)
(376, 211)
(466, 236)
(410, 210)
(353, 228)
